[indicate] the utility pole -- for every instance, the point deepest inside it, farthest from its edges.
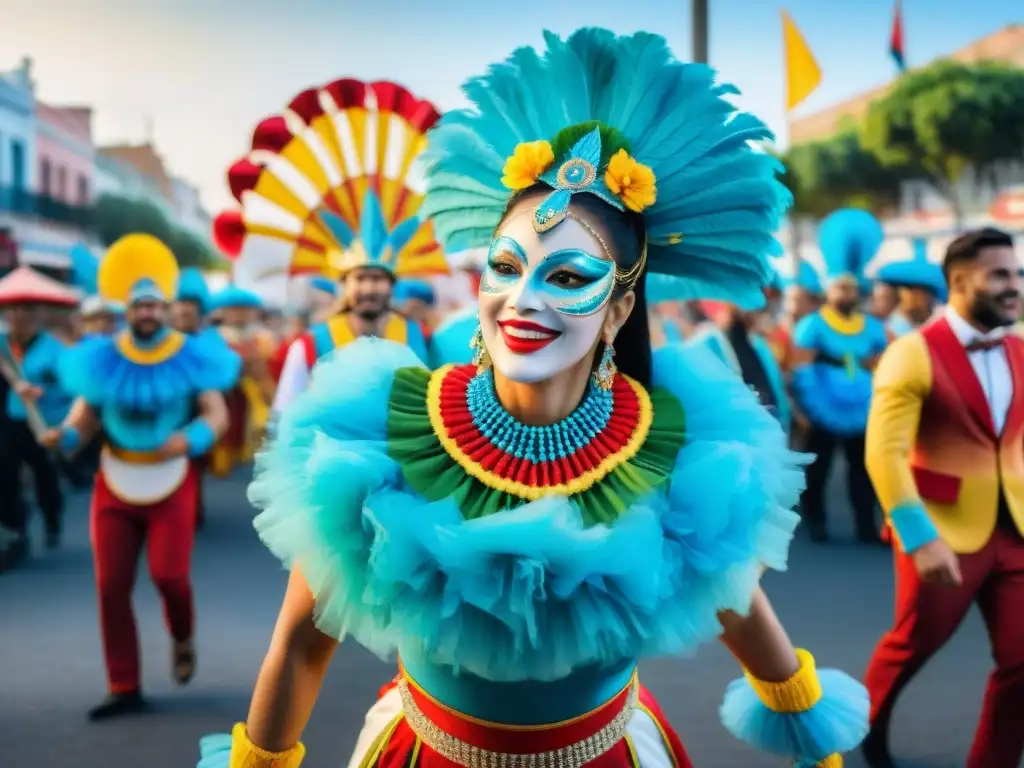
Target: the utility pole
(699, 23)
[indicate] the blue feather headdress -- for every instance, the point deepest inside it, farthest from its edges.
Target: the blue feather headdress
(915, 272)
(806, 277)
(192, 287)
(373, 244)
(233, 297)
(849, 239)
(621, 119)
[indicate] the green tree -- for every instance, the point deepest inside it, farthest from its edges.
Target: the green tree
(191, 250)
(116, 217)
(947, 118)
(835, 173)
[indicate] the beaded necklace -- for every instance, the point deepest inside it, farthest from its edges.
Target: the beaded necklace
(533, 443)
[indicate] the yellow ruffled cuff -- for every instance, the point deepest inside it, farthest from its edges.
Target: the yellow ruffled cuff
(245, 754)
(797, 694)
(832, 761)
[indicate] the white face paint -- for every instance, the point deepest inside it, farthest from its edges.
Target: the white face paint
(543, 297)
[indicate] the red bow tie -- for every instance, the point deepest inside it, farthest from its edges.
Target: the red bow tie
(983, 345)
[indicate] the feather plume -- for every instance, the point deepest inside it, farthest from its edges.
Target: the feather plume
(719, 201)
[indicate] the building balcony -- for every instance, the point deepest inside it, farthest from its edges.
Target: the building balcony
(27, 204)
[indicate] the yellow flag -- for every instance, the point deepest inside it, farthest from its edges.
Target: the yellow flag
(802, 72)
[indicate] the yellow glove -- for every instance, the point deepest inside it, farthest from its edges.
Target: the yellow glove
(245, 754)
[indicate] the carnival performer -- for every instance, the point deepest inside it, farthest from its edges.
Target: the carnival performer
(416, 300)
(736, 340)
(919, 285)
(536, 534)
(248, 402)
(945, 453)
(155, 395)
(192, 303)
(99, 317)
(29, 359)
(309, 205)
(802, 295)
(883, 300)
(836, 349)
(188, 316)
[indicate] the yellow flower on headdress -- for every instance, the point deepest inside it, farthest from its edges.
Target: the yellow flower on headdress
(631, 181)
(527, 163)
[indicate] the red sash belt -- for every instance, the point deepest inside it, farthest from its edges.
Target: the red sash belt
(469, 741)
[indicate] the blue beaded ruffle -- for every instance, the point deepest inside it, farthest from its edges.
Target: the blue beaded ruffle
(533, 443)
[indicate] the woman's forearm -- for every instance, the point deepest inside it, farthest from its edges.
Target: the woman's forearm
(292, 673)
(759, 641)
(286, 691)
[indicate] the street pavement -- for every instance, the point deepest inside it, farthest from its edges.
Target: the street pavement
(835, 600)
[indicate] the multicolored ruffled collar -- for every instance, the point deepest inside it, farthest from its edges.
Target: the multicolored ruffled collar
(452, 439)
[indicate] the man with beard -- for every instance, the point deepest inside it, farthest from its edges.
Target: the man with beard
(945, 453)
(154, 395)
(835, 350)
(249, 401)
(368, 279)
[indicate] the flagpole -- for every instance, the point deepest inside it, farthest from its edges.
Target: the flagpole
(699, 24)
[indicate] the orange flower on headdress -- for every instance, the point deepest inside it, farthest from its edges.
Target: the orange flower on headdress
(631, 181)
(527, 163)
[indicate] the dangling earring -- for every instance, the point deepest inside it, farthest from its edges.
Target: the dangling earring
(481, 359)
(604, 375)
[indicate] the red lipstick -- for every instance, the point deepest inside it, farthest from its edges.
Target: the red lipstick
(524, 338)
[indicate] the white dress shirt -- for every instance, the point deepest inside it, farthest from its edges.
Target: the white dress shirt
(990, 366)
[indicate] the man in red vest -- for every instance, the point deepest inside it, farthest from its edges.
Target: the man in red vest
(945, 450)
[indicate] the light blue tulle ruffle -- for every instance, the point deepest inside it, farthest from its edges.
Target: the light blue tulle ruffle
(96, 371)
(837, 723)
(526, 593)
(214, 751)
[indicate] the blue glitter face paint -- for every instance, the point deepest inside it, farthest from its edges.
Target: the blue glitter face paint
(543, 297)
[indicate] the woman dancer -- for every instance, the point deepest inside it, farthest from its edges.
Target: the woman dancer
(523, 530)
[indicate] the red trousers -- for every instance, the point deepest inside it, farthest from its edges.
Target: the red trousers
(926, 617)
(118, 531)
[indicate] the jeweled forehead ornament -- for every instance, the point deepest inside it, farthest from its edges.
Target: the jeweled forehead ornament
(577, 173)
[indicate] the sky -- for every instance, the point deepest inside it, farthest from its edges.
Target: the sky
(202, 73)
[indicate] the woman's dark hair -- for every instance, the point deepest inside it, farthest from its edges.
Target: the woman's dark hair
(628, 240)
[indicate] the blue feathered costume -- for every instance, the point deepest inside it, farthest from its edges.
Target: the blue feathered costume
(834, 391)
(520, 571)
(145, 392)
